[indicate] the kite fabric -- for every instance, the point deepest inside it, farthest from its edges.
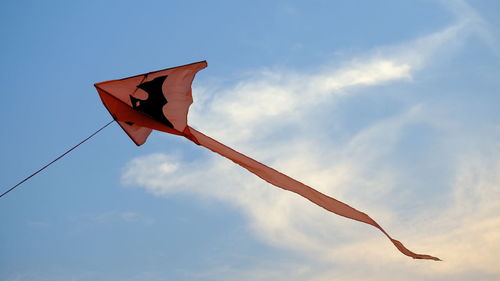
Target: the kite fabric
(160, 101)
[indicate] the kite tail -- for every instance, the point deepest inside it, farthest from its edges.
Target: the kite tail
(285, 182)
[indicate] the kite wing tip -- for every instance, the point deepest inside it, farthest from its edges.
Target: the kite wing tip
(204, 63)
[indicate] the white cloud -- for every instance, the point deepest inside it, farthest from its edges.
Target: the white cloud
(268, 99)
(360, 170)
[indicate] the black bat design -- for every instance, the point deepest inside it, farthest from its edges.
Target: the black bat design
(153, 105)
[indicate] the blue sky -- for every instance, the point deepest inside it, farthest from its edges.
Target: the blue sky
(391, 107)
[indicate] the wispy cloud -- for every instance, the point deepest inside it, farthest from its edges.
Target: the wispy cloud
(122, 216)
(111, 217)
(476, 23)
(268, 99)
(38, 224)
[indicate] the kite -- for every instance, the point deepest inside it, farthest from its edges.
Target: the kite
(160, 101)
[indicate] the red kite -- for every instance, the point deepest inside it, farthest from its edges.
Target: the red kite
(160, 101)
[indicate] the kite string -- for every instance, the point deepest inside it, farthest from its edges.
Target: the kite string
(59, 157)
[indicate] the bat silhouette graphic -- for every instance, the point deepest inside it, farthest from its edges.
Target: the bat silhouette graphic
(153, 105)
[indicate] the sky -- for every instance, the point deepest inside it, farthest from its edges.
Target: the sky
(391, 107)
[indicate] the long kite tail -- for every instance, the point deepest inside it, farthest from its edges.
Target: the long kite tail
(285, 182)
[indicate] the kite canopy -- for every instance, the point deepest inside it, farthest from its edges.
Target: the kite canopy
(156, 100)
(160, 101)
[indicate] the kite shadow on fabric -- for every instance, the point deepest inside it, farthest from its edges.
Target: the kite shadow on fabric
(160, 101)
